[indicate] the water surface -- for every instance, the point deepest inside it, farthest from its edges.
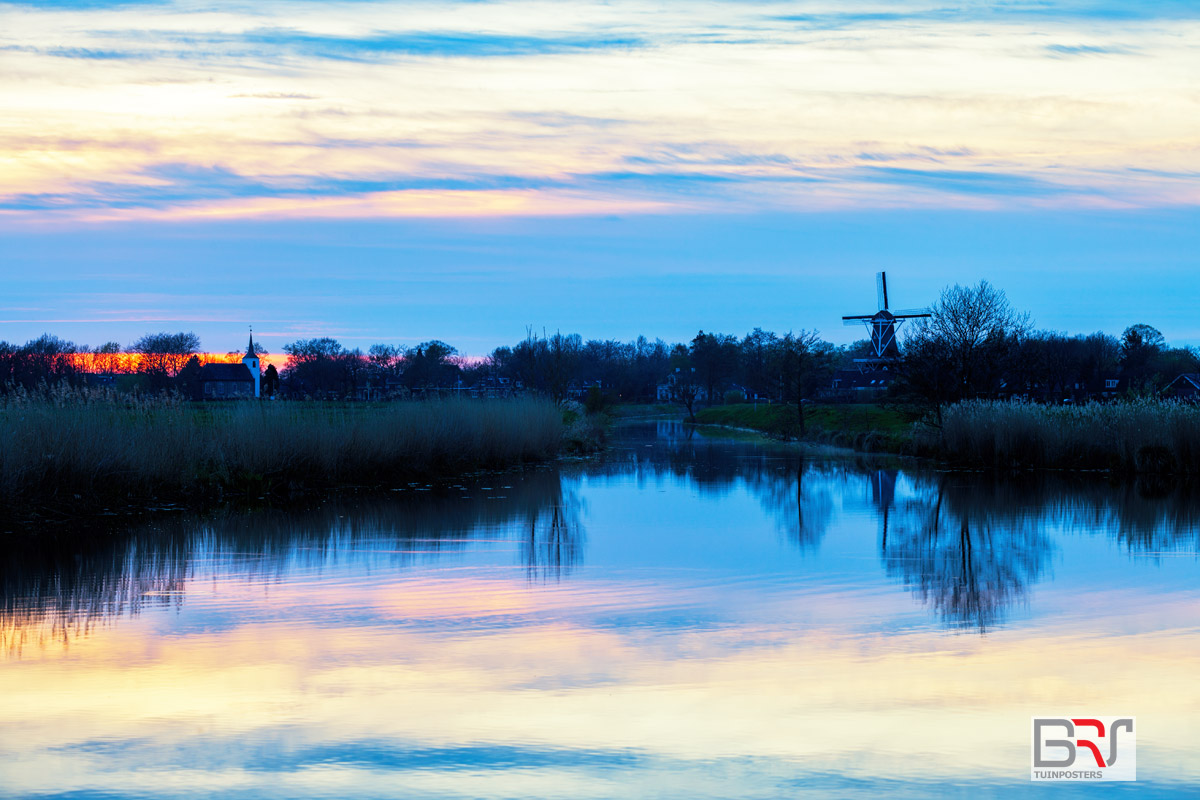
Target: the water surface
(689, 616)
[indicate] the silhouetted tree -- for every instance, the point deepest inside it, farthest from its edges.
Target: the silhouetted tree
(756, 357)
(106, 359)
(685, 388)
(187, 382)
(316, 367)
(714, 357)
(163, 355)
(430, 365)
(962, 350)
(562, 360)
(1148, 363)
(47, 359)
(803, 363)
(269, 385)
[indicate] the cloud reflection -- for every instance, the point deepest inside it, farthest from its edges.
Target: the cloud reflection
(473, 640)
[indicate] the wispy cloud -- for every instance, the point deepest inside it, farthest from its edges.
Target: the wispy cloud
(1068, 50)
(1012, 11)
(82, 5)
(165, 185)
(274, 44)
(432, 43)
(276, 96)
(962, 181)
(185, 108)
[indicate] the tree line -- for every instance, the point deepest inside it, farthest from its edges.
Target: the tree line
(973, 345)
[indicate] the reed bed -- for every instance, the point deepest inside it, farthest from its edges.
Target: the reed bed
(69, 444)
(1139, 436)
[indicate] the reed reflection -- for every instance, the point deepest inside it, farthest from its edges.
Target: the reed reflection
(59, 585)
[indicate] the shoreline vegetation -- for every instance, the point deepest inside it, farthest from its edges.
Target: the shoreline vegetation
(1142, 436)
(1130, 437)
(68, 452)
(83, 451)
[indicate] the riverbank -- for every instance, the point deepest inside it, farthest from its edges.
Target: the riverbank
(865, 427)
(80, 451)
(1135, 437)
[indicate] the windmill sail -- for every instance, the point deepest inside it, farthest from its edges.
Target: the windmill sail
(881, 290)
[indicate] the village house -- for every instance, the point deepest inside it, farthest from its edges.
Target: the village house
(669, 390)
(860, 385)
(1184, 387)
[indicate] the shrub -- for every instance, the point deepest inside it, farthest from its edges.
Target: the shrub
(595, 400)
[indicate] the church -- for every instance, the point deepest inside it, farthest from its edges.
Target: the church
(232, 381)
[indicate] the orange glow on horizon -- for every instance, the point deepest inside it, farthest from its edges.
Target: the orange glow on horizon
(131, 363)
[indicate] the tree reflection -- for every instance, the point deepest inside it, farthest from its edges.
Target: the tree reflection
(554, 545)
(963, 555)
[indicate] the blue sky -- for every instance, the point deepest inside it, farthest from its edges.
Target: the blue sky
(382, 171)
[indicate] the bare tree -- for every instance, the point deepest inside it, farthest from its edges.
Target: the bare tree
(800, 360)
(386, 358)
(562, 360)
(166, 353)
(106, 358)
(961, 350)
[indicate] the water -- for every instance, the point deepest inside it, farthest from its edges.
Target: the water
(691, 616)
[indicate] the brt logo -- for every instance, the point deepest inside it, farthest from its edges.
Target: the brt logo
(1084, 749)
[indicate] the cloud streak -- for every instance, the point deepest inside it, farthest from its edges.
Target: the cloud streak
(294, 106)
(276, 45)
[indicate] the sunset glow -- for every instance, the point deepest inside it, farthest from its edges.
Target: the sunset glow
(183, 110)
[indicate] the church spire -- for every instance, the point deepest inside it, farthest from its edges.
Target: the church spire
(251, 362)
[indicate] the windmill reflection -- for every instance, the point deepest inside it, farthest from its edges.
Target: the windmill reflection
(797, 492)
(883, 497)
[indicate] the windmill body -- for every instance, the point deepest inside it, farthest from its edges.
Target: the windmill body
(882, 326)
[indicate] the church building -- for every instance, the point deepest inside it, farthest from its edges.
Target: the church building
(231, 381)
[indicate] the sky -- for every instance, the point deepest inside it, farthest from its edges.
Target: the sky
(471, 171)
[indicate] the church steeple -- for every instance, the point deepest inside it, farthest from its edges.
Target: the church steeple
(251, 362)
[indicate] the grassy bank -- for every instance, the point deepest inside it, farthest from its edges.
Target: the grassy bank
(638, 410)
(861, 426)
(1148, 436)
(76, 448)
(1135, 437)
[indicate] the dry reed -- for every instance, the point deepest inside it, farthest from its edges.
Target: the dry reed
(1143, 436)
(62, 443)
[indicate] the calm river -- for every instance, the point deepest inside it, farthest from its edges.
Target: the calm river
(690, 616)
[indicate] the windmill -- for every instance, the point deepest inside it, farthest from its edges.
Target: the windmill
(882, 325)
